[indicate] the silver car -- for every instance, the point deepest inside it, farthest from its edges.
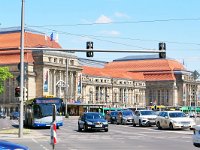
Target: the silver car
(125, 117)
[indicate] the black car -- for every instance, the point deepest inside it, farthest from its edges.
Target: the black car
(2, 115)
(14, 115)
(112, 116)
(92, 121)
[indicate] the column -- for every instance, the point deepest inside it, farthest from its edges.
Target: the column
(175, 95)
(99, 94)
(75, 86)
(71, 86)
(54, 82)
(60, 84)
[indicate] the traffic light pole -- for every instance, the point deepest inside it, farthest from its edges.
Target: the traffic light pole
(94, 50)
(21, 73)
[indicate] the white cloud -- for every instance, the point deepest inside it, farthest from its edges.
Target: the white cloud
(121, 15)
(103, 19)
(112, 33)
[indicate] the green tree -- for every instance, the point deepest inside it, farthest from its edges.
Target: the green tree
(4, 75)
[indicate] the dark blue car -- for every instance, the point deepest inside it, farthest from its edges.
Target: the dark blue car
(92, 121)
(5, 145)
(14, 115)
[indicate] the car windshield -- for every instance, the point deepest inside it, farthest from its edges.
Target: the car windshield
(94, 116)
(114, 113)
(15, 114)
(176, 114)
(127, 113)
(148, 113)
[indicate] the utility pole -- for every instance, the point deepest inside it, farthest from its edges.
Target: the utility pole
(21, 73)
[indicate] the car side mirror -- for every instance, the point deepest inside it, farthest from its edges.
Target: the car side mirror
(166, 117)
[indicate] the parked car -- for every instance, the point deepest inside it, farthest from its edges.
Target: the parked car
(2, 115)
(192, 114)
(196, 136)
(5, 145)
(111, 116)
(144, 118)
(125, 117)
(174, 120)
(14, 115)
(92, 121)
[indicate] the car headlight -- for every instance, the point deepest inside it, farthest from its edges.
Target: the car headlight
(173, 121)
(105, 123)
(89, 123)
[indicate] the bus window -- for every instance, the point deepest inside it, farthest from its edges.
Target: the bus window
(37, 111)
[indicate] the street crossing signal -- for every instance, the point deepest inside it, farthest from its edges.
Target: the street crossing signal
(162, 46)
(89, 46)
(17, 91)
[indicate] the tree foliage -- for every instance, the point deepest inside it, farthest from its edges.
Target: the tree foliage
(4, 75)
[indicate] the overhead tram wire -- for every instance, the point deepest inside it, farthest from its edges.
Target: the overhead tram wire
(125, 38)
(82, 35)
(122, 22)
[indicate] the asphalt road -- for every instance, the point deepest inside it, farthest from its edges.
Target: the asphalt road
(119, 137)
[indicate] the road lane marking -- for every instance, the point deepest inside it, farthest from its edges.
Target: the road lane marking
(35, 140)
(40, 144)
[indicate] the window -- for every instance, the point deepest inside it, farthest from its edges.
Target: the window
(72, 62)
(50, 59)
(61, 61)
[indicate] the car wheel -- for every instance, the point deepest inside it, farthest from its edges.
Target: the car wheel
(106, 130)
(111, 122)
(85, 128)
(134, 123)
(79, 128)
(171, 126)
(140, 124)
(158, 125)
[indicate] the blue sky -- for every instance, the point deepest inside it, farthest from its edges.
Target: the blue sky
(128, 24)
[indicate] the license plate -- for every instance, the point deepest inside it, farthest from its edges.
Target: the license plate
(186, 125)
(98, 125)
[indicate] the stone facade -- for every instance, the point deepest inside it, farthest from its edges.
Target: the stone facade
(113, 92)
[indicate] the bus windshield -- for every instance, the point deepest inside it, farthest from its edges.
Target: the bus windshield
(45, 109)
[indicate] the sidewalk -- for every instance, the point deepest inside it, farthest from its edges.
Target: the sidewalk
(13, 134)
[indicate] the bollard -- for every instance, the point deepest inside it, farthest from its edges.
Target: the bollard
(53, 134)
(53, 139)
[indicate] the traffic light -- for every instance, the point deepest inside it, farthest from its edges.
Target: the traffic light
(162, 46)
(25, 94)
(89, 46)
(17, 91)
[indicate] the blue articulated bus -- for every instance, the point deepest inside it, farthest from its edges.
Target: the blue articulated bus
(38, 112)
